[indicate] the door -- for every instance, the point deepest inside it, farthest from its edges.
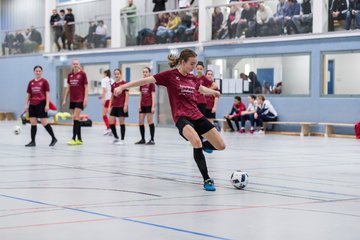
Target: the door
(330, 80)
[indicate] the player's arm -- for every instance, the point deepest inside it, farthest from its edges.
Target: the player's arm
(65, 95)
(126, 101)
(209, 91)
(86, 94)
(27, 102)
(136, 83)
(153, 102)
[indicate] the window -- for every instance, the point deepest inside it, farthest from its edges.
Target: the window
(94, 73)
(133, 71)
(282, 74)
(341, 74)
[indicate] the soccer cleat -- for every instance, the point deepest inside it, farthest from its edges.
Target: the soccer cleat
(252, 131)
(30, 144)
(142, 141)
(79, 142)
(72, 142)
(209, 185)
(107, 132)
(242, 130)
(53, 142)
(151, 142)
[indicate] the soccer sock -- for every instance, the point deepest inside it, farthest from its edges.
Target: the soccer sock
(152, 131)
(50, 130)
(74, 129)
(201, 163)
(106, 121)
(142, 131)
(113, 130)
(122, 131)
(206, 144)
(33, 132)
(79, 131)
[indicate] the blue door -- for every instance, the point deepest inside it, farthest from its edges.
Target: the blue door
(330, 83)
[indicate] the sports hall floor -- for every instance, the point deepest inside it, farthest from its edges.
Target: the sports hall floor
(299, 188)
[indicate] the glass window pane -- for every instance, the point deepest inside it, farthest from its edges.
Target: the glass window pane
(94, 73)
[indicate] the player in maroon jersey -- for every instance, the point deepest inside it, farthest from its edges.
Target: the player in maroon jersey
(182, 86)
(147, 108)
(119, 107)
(78, 90)
(211, 101)
(37, 104)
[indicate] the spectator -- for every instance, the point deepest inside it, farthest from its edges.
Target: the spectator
(90, 41)
(186, 21)
(69, 21)
(292, 10)
(100, 36)
(264, 20)
(56, 27)
(159, 5)
(235, 113)
(130, 11)
(278, 88)
(233, 19)
(185, 3)
(247, 21)
(303, 23)
(192, 32)
(281, 9)
(19, 42)
(354, 12)
(254, 86)
(62, 23)
(248, 114)
(265, 112)
(217, 20)
(8, 42)
(337, 11)
(174, 22)
(35, 37)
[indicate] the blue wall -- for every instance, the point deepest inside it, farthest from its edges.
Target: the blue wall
(17, 71)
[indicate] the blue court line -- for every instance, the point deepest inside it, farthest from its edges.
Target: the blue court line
(53, 205)
(176, 229)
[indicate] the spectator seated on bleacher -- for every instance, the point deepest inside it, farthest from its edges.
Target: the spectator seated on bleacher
(192, 32)
(8, 42)
(185, 24)
(249, 114)
(233, 19)
(235, 113)
(265, 112)
(264, 20)
(100, 35)
(279, 16)
(303, 23)
(160, 27)
(19, 42)
(145, 36)
(292, 10)
(353, 13)
(337, 11)
(174, 22)
(246, 23)
(90, 43)
(217, 20)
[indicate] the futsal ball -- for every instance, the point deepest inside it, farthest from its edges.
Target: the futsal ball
(17, 130)
(239, 179)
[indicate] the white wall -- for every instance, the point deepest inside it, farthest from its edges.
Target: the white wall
(296, 75)
(347, 77)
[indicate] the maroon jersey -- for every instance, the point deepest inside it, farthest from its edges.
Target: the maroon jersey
(119, 100)
(37, 90)
(200, 98)
(181, 90)
(146, 94)
(77, 82)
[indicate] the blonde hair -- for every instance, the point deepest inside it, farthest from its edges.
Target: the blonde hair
(184, 55)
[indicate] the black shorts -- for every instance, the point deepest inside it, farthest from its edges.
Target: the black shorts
(145, 109)
(74, 105)
(202, 107)
(201, 125)
(38, 111)
(209, 114)
(118, 112)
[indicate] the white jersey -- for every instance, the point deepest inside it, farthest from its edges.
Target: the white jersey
(106, 83)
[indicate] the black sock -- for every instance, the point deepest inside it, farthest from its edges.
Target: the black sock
(79, 131)
(50, 130)
(201, 163)
(142, 131)
(113, 130)
(206, 144)
(75, 129)
(152, 131)
(122, 131)
(33, 132)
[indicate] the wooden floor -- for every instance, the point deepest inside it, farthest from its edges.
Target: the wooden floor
(299, 188)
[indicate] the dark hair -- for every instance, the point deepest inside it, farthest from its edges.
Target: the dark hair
(184, 55)
(107, 73)
(238, 98)
(261, 97)
(252, 96)
(200, 63)
(117, 69)
(209, 71)
(148, 69)
(62, 11)
(38, 66)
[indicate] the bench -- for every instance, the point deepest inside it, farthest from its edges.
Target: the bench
(305, 126)
(7, 116)
(224, 125)
(329, 128)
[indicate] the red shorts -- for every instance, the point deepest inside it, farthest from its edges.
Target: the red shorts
(106, 105)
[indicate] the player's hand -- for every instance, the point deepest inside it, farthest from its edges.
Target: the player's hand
(85, 102)
(153, 110)
(46, 108)
(64, 102)
(118, 91)
(216, 94)
(213, 110)
(125, 108)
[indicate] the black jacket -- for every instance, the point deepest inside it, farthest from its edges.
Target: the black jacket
(159, 5)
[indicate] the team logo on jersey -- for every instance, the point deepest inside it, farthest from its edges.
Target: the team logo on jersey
(177, 78)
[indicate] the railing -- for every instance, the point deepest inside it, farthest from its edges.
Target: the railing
(22, 41)
(162, 27)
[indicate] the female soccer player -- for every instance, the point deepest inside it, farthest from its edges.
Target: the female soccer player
(38, 95)
(106, 83)
(78, 90)
(119, 107)
(147, 108)
(211, 101)
(182, 87)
